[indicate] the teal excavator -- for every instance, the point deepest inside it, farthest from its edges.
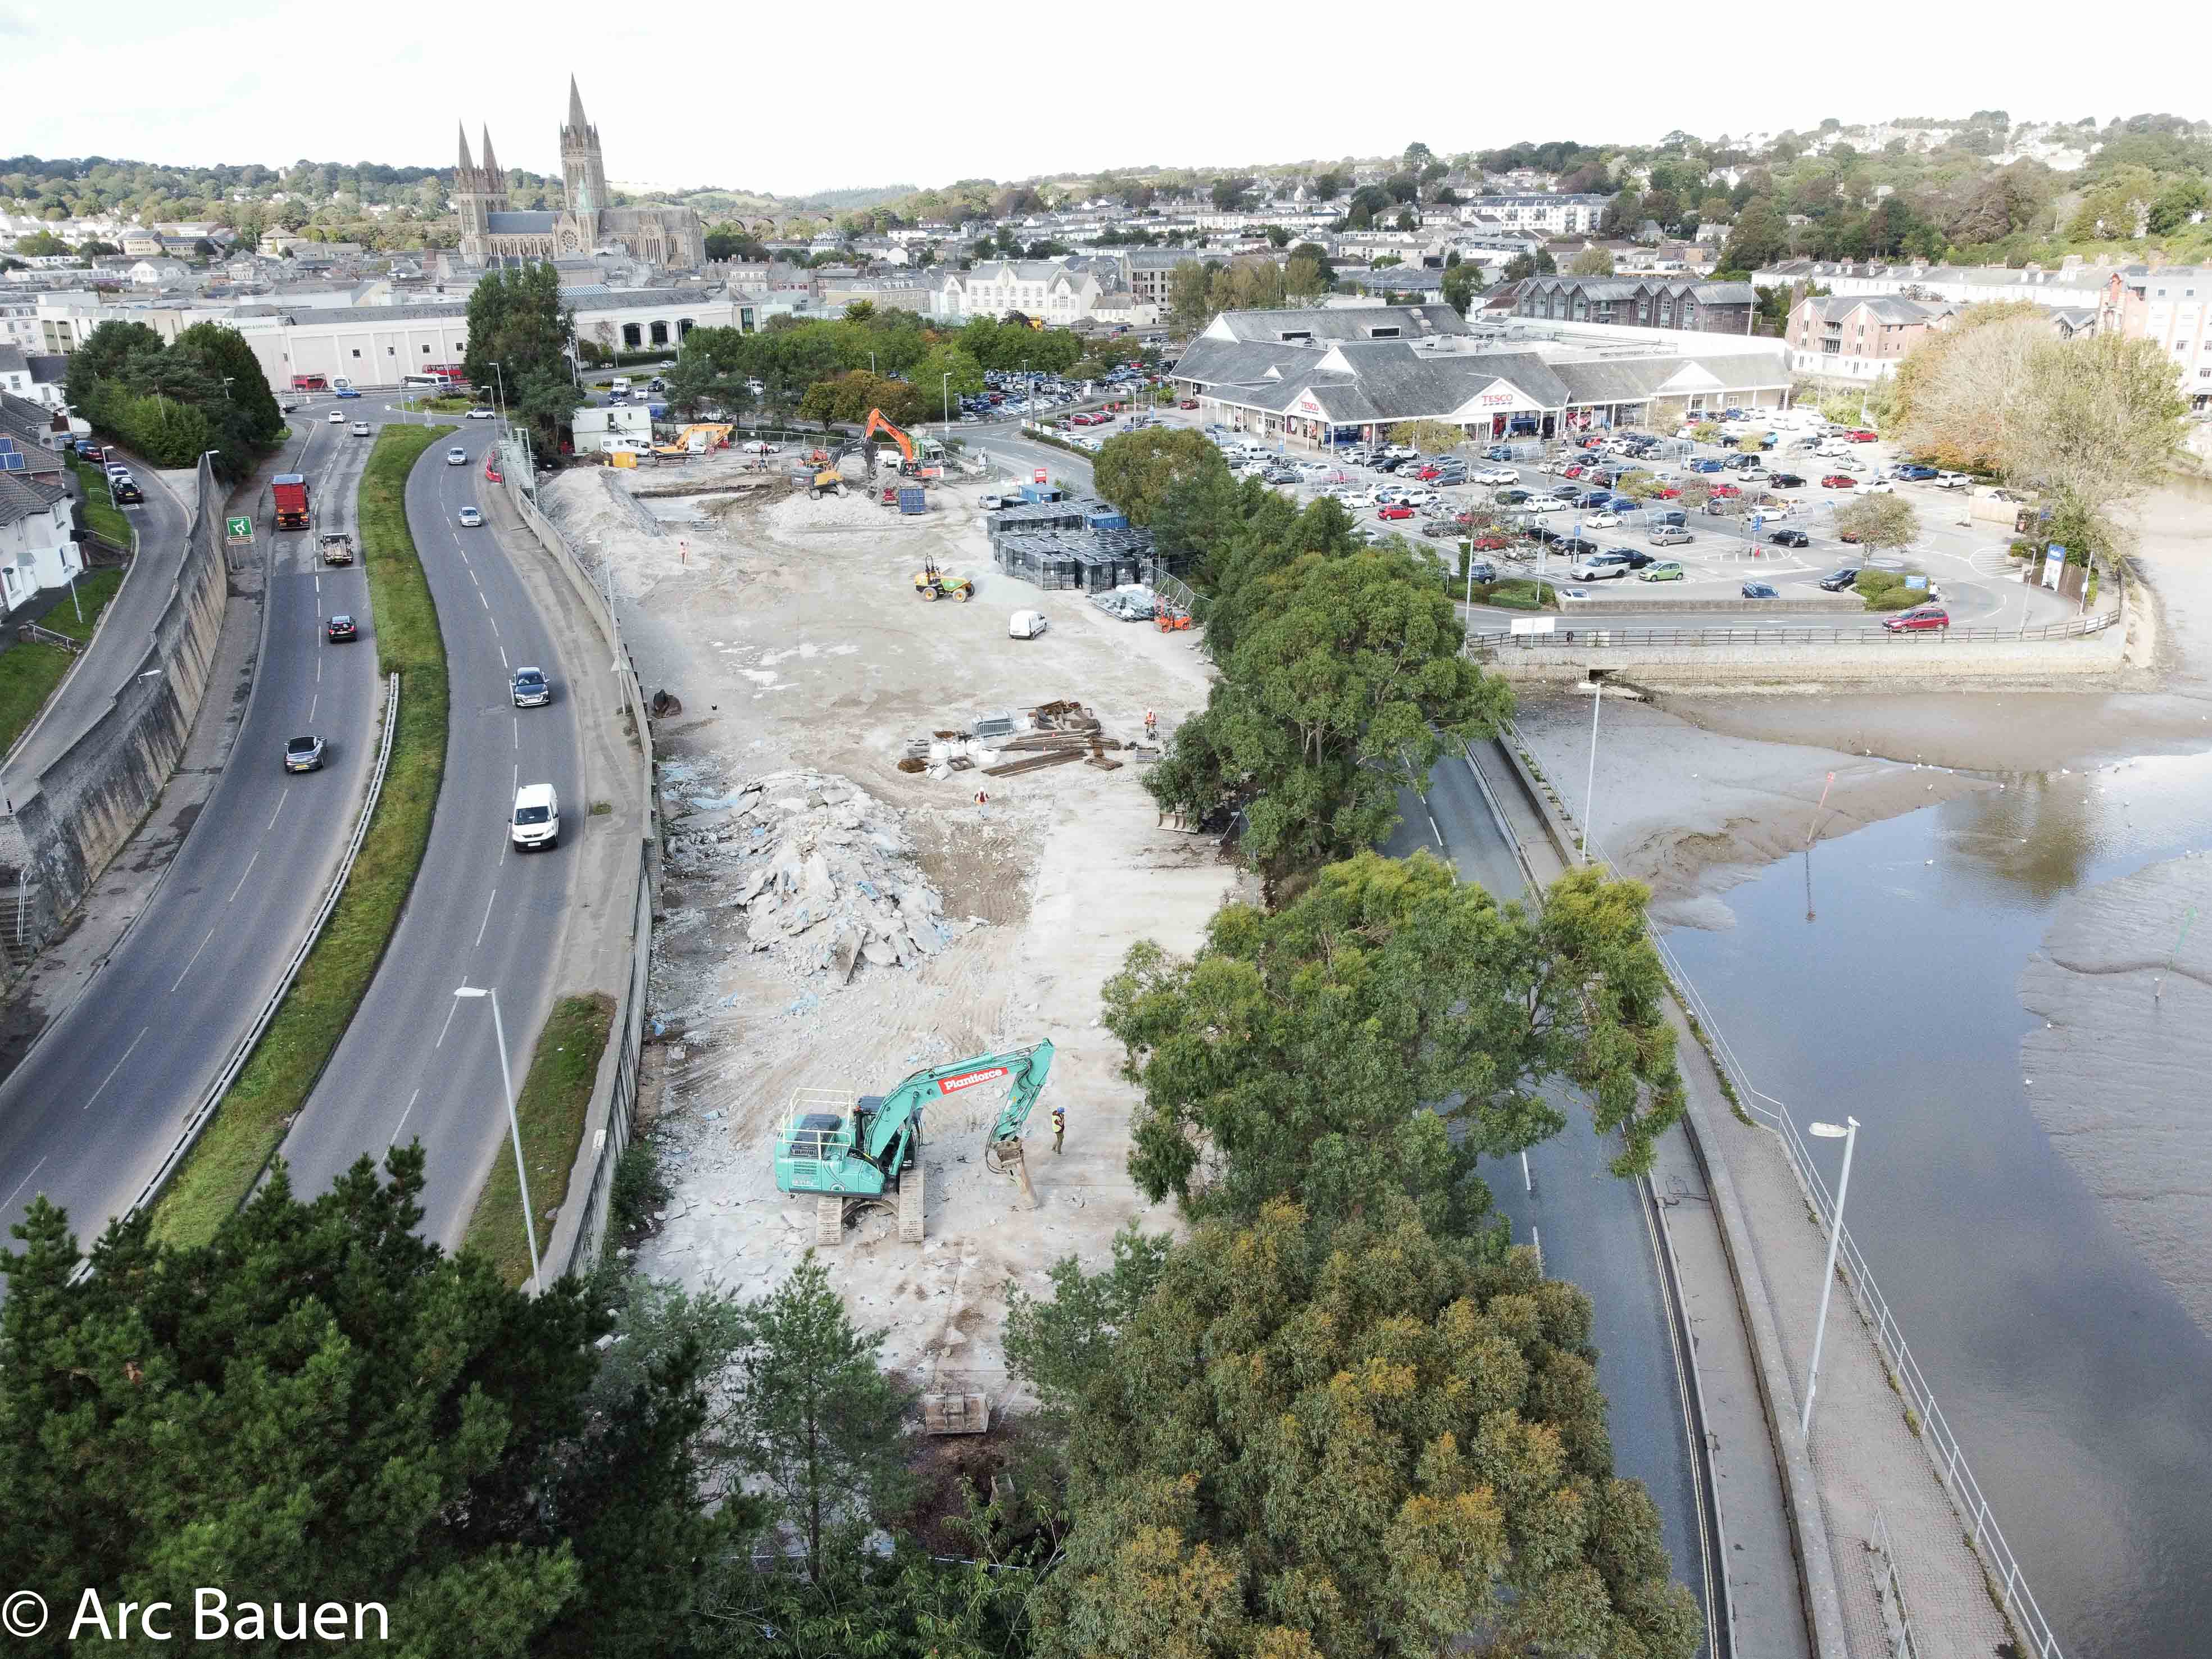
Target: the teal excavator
(844, 1149)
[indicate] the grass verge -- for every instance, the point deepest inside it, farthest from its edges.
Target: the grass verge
(29, 673)
(550, 1110)
(299, 1043)
(101, 516)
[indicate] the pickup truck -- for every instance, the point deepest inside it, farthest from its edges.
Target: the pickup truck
(336, 548)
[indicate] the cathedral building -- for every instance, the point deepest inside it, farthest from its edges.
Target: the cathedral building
(668, 236)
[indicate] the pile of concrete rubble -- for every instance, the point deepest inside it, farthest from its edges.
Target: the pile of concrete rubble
(823, 871)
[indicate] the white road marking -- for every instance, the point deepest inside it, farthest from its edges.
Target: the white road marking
(402, 1124)
(518, 727)
(319, 585)
(243, 874)
(481, 600)
(195, 957)
(280, 800)
(451, 1006)
(487, 921)
(319, 667)
(311, 702)
(24, 1182)
(118, 1066)
(502, 656)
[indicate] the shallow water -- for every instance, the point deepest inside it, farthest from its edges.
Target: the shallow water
(1880, 975)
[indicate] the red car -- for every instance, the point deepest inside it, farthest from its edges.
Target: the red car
(1188, 403)
(1489, 542)
(1861, 437)
(1396, 510)
(1721, 492)
(1592, 443)
(1920, 619)
(493, 474)
(1839, 481)
(1668, 492)
(1574, 471)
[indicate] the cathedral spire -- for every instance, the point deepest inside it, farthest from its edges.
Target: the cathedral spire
(467, 166)
(491, 161)
(576, 108)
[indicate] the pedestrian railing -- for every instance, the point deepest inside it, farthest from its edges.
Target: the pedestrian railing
(1584, 632)
(2007, 1584)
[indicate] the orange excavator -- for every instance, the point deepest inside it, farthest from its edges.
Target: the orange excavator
(911, 464)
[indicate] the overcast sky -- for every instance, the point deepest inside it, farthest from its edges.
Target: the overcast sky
(780, 98)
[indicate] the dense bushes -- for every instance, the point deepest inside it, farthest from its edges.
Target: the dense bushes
(1886, 589)
(173, 404)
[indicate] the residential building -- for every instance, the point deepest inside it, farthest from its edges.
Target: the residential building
(2170, 305)
(1845, 337)
(1644, 302)
(37, 543)
(15, 372)
(1052, 290)
(1553, 215)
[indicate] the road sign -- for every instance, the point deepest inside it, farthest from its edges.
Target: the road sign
(239, 533)
(1758, 522)
(1529, 624)
(1038, 476)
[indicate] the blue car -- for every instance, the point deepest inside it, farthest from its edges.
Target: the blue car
(1707, 466)
(348, 391)
(1499, 452)
(1622, 503)
(1596, 498)
(1914, 471)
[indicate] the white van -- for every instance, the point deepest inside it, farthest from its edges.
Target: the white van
(611, 445)
(621, 387)
(535, 820)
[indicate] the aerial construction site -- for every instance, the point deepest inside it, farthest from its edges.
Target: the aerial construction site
(882, 861)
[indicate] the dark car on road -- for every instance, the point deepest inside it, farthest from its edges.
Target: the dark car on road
(1922, 618)
(303, 754)
(1836, 580)
(124, 489)
(340, 628)
(530, 688)
(1760, 591)
(1788, 538)
(1629, 555)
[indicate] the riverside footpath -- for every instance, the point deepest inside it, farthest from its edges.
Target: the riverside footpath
(1843, 1542)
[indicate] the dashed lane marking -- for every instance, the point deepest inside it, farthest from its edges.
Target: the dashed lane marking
(118, 1066)
(195, 957)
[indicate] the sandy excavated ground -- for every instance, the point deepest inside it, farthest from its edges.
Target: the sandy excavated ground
(792, 632)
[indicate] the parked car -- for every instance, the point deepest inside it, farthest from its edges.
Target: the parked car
(1922, 618)
(1784, 481)
(1863, 436)
(1601, 520)
(1669, 535)
(470, 518)
(1788, 539)
(125, 490)
(1668, 493)
(1951, 481)
(1671, 516)
(1725, 492)
(1499, 452)
(1839, 481)
(1836, 580)
(1599, 566)
(1481, 570)
(1636, 559)
(1544, 534)
(1489, 542)
(1914, 472)
(340, 628)
(1758, 591)
(1708, 465)
(1575, 547)
(1396, 510)
(303, 754)
(1188, 403)
(1665, 570)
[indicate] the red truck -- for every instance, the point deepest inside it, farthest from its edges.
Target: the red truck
(290, 490)
(310, 382)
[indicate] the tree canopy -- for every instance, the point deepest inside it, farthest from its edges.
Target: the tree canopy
(517, 322)
(173, 403)
(1374, 1441)
(1135, 470)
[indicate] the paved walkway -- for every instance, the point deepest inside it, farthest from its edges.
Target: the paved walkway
(1863, 1453)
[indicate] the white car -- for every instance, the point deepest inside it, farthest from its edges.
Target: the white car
(480, 415)
(1951, 481)
(1026, 625)
(457, 456)
(758, 446)
(470, 518)
(360, 429)
(1542, 504)
(1497, 475)
(1403, 452)
(1420, 497)
(1601, 521)
(1364, 498)
(337, 417)
(1880, 487)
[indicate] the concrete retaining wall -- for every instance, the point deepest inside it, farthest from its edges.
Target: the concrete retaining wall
(85, 805)
(1907, 660)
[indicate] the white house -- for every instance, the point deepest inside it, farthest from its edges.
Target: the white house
(1036, 288)
(36, 549)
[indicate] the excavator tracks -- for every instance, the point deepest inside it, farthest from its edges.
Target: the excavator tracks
(828, 1221)
(914, 1189)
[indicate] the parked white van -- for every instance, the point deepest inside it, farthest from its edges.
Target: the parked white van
(535, 820)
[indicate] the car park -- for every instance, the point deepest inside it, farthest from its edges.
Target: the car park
(303, 754)
(1922, 618)
(470, 518)
(1839, 481)
(341, 628)
(1669, 535)
(1665, 570)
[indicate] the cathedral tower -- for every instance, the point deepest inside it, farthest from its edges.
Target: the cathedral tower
(478, 192)
(583, 170)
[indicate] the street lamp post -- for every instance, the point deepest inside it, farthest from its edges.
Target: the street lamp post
(1590, 789)
(1848, 1135)
(947, 422)
(499, 379)
(513, 1123)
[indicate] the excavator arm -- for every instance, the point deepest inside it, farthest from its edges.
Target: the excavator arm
(1028, 1068)
(877, 421)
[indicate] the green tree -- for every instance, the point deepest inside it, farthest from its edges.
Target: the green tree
(1304, 279)
(1759, 237)
(516, 320)
(321, 1400)
(1342, 680)
(1189, 296)
(1367, 1444)
(1591, 262)
(1521, 266)
(813, 1416)
(1753, 443)
(1382, 1031)
(1228, 194)
(1429, 437)
(246, 416)
(1879, 521)
(1462, 283)
(1135, 470)
(928, 375)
